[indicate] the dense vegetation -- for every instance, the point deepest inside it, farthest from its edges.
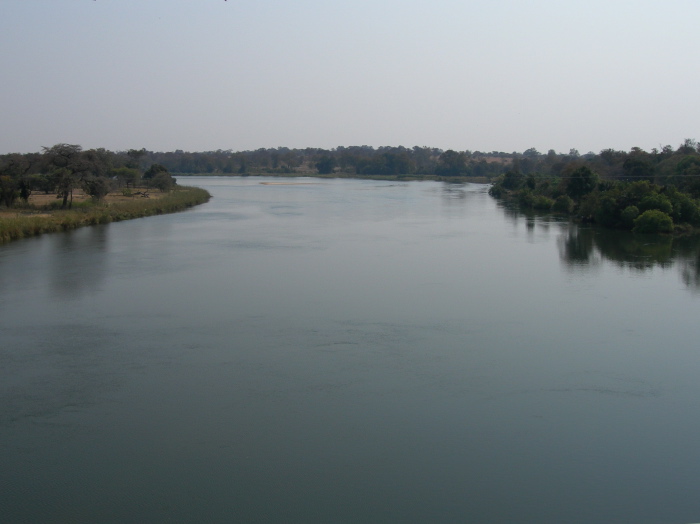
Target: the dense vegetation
(63, 170)
(656, 192)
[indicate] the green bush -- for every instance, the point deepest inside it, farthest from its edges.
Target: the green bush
(628, 215)
(653, 221)
(563, 204)
(526, 198)
(542, 202)
(655, 201)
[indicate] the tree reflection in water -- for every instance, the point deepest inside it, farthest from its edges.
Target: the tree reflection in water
(587, 246)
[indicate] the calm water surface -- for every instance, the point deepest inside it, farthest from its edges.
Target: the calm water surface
(349, 351)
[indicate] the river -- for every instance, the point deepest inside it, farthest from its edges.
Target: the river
(312, 350)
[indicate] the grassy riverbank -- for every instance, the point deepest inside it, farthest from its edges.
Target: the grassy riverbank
(35, 219)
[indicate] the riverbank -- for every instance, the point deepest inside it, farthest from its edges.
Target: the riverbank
(40, 216)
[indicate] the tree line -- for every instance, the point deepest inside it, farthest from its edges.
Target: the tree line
(647, 192)
(63, 168)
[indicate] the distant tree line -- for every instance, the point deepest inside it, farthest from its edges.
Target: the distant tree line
(647, 192)
(63, 168)
(354, 160)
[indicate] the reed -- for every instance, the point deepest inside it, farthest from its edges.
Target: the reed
(38, 221)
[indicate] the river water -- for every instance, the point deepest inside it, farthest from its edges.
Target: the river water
(307, 350)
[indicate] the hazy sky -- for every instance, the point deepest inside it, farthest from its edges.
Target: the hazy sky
(203, 75)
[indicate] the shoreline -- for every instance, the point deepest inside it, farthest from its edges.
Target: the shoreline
(18, 223)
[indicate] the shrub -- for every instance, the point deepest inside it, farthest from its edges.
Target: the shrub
(542, 202)
(608, 211)
(526, 198)
(563, 204)
(655, 201)
(512, 180)
(653, 221)
(628, 215)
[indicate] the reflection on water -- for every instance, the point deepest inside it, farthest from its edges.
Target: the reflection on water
(584, 248)
(581, 248)
(71, 276)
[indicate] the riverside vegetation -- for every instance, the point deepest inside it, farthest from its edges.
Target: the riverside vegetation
(65, 188)
(655, 191)
(31, 220)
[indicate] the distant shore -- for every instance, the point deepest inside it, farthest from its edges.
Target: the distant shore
(391, 178)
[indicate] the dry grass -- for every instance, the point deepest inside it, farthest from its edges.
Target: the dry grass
(42, 216)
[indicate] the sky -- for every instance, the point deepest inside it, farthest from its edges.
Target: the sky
(203, 75)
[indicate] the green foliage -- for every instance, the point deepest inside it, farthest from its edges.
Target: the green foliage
(152, 171)
(653, 221)
(126, 176)
(526, 198)
(451, 163)
(563, 204)
(9, 190)
(97, 187)
(636, 191)
(588, 206)
(655, 201)
(162, 181)
(543, 203)
(628, 215)
(530, 181)
(512, 180)
(607, 212)
(581, 181)
(325, 165)
(637, 167)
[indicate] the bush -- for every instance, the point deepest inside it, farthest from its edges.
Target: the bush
(656, 201)
(512, 180)
(163, 181)
(526, 198)
(628, 216)
(653, 221)
(607, 212)
(563, 204)
(542, 202)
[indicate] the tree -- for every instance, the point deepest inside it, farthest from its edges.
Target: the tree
(135, 156)
(325, 165)
(8, 190)
(97, 187)
(71, 167)
(154, 170)
(451, 163)
(64, 180)
(581, 181)
(66, 163)
(163, 181)
(638, 167)
(653, 221)
(126, 175)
